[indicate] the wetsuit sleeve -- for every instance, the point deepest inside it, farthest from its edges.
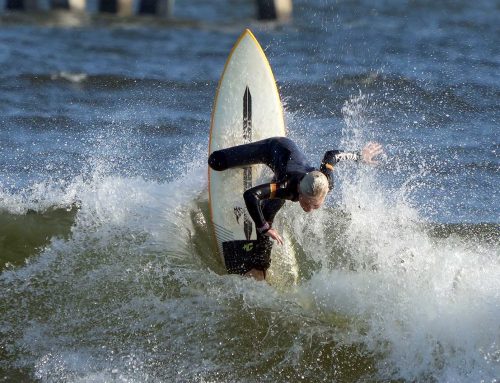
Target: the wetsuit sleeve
(331, 158)
(255, 195)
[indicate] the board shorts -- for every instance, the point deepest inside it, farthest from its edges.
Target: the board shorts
(242, 256)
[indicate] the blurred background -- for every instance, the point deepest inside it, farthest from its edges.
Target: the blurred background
(109, 270)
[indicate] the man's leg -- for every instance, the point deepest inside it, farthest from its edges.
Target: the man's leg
(242, 155)
(269, 208)
(259, 275)
(261, 259)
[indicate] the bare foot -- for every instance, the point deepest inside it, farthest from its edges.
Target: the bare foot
(256, 274)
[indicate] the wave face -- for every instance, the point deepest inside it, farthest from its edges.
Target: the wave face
(108, 265)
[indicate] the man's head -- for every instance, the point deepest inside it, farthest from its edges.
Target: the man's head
(312, 190)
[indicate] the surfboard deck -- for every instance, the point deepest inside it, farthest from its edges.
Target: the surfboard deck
(247, 108)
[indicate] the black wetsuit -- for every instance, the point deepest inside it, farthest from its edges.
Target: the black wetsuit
(289, 165)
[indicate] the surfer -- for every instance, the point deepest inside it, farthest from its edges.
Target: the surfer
(294, 180)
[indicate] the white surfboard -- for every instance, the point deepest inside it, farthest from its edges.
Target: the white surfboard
(247, 108)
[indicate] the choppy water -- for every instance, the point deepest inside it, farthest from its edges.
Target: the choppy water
(109, 270)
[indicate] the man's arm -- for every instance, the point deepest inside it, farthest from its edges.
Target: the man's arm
(255, 195)
(252, 198)
(332, 157)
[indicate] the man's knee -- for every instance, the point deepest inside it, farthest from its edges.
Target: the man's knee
(217, 160)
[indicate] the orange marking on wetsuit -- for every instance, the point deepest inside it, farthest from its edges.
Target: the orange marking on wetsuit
(329, 166)
(273, 190)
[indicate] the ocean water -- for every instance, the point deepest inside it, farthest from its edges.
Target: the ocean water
(108, 266)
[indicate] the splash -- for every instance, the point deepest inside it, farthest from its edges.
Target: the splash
(137, 291)
(429, 307)
(356, 124)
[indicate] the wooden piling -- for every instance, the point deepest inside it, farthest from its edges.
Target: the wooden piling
(78, 5)
(26, 5)
(163, 8)
(274, 9)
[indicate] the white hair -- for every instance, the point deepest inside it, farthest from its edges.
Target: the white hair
(314, 184)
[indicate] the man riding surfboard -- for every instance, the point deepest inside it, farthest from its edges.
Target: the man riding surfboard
(294, 180)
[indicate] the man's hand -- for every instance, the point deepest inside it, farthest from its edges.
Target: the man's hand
(372, 149)
(274, 235)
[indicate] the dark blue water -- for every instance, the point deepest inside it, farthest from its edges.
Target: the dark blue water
(109, 267)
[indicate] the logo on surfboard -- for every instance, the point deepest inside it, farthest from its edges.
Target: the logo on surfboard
(247, 171)
(248, 247)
